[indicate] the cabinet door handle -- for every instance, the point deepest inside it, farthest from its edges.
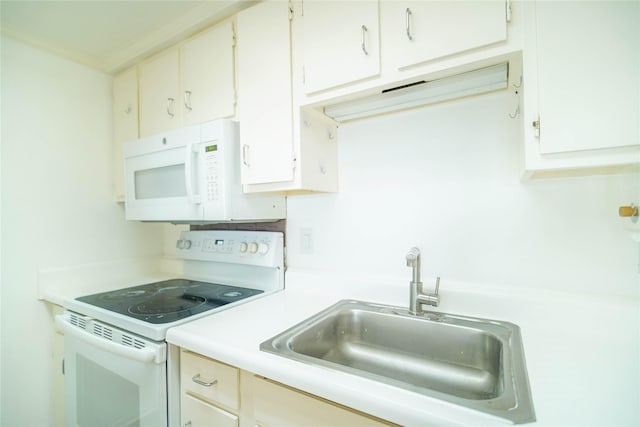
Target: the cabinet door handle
(196, 379)
(245, 155)
(170, 107)
(187, 100)
(408, 26)
(364, 34)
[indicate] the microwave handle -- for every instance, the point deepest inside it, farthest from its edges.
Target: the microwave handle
(188, 176)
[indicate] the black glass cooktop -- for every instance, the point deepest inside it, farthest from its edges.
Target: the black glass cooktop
(169, 300)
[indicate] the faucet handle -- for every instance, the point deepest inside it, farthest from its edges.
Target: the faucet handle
(434, 299)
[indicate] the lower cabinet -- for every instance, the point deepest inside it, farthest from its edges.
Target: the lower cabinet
(215, 394)
(275, 404)
(209, 392)
(196, 413)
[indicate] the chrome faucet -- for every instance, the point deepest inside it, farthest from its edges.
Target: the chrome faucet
(417, 297)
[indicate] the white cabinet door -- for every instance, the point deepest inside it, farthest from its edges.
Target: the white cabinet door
(420, 31)
(207, 69)
(198, 413)
(341, 42)
(160, 97)
(588, 63)
(264, 93)
(278, 405)
(125, 123)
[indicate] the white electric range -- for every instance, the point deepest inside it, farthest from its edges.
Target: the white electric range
(116, 360)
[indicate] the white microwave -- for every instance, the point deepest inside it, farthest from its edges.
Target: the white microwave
(192, 175)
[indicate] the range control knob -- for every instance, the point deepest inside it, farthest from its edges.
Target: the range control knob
(253, 247)
(243, 247)
(263, 248)
(183, 244)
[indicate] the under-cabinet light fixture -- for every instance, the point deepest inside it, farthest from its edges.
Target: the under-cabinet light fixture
(422, 93)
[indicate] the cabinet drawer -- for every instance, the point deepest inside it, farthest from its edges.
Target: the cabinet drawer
(196, 412)
(209, 379)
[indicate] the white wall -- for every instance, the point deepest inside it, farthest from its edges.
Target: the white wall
(57, 209)
(446, 178)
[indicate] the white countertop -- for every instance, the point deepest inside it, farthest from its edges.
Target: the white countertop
(582, 353)
(56, 285)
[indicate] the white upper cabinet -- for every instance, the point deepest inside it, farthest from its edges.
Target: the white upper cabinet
(160, 100)
(189, 84)
(355, 47)
(125, 123)
(340, 42)
(283, 148)
(589, 77)
(265, 93)
(420, 31)
(582, 85)
(206, 62)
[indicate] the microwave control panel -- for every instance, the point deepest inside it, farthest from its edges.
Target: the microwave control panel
(212, 164)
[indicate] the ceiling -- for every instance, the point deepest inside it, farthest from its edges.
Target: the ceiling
(110, 35)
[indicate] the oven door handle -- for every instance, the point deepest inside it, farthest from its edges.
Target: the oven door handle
(144, 355)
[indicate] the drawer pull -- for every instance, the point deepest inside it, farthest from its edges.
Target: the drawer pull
(196, 379)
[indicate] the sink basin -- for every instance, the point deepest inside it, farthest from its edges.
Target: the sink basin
(473, 362)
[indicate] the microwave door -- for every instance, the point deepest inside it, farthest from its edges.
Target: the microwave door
(163, 186)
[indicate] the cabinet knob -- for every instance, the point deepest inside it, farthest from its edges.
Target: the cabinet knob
(628, 211)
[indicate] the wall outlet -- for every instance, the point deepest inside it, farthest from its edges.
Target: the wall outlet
(306, 241)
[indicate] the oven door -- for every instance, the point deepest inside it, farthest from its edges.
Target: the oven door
(108, 383)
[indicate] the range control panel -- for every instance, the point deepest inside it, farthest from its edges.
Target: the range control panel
(212, 164)
(263, 248)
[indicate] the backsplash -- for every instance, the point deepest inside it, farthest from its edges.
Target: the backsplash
(447, 178)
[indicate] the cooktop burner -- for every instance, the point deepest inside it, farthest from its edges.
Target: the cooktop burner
(169, 300)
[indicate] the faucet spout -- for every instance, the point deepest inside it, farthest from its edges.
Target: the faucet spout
(417, 297)
(413, 261)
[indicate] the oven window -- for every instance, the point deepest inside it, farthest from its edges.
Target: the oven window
(100, 391)
(161, 182)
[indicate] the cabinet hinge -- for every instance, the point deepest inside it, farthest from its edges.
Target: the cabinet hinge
(290, 11)
(233, 35)
(507, 10)
(294, 160)
(536, 127)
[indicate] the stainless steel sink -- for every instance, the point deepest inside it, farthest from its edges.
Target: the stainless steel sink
(473, 362)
